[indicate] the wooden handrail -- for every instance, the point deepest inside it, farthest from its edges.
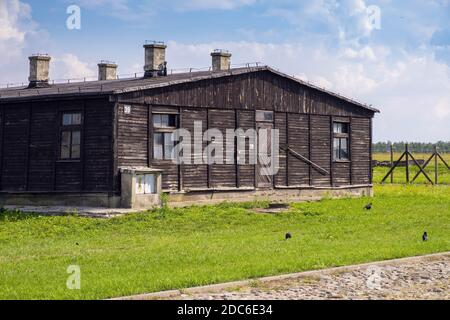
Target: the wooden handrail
(304, 159)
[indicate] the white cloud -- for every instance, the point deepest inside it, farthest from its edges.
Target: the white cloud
(345, 21)
(412, 90)
(136, 11)
(365, 53)
(15, 24)
(125, 10)
(20, 36)
(69, 66)
(442, 109)
(212, 4)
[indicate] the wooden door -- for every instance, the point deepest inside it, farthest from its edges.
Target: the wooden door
(264, 177)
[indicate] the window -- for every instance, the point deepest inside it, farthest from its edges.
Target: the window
(164, 120)
(340, 127)
(70, 136)
(163, 127)
(340, 141)
(264, 116)
(70, 119)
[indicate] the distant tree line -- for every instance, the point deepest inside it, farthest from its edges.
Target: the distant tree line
(418, 147)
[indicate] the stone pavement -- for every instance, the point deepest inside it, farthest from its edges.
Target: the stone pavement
(426, 277)
(422, 280)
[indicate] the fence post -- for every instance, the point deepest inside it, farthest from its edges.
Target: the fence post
(436, 169)
(407, 162)
(392, 162)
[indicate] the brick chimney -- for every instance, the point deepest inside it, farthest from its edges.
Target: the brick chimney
(107, 70)
(39, 71)
(155, 59)
(221, 60)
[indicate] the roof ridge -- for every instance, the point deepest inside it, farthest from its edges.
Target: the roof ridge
(107, 87)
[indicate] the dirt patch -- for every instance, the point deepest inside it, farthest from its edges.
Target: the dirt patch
(273, 208)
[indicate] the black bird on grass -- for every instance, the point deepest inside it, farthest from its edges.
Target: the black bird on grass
(425, 236)
(368, 206)
(288, 236)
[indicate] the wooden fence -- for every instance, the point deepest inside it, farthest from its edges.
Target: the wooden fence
(409, 160)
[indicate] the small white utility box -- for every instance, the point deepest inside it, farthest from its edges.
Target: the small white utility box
(140, 188)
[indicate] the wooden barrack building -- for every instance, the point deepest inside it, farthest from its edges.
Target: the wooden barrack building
(68, 143)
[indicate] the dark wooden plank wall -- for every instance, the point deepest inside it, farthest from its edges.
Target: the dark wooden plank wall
(299, 132)
(281, 178)
(246, 172)
(200, 176)
(195, 176)
(29, 152)
(255, 91)
(301, 129)
(42, 146)
(321, 149)
(303, 116)
(222, 175)
(170, 174)
(98, 124)
(133, 136)
(14, 150)
(360, 148)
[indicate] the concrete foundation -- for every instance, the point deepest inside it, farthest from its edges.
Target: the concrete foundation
(129, 199)
(104, 200)
(195, 197)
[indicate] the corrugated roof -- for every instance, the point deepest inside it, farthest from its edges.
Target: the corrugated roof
(137, 84)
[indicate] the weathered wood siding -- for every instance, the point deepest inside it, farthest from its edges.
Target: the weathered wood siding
(194, 176)
(281, 178)
(133, 135)
(255, 91)
(97, 165)
(29, 148)
(321, 148)
(15, 147)
(29, 136)
(246, 172)
(298, 140)
(303, 117)
(360, 148)
(223, 175)
(42, 145)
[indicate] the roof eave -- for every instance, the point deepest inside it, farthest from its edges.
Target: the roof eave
(244, 71)
(52, 96)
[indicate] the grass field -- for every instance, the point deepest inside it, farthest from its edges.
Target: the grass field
(176, 248)
(400, 175)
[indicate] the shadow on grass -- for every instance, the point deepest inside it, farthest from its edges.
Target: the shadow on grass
(17, 215)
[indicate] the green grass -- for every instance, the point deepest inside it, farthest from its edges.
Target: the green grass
(400, 174)
(176, 248)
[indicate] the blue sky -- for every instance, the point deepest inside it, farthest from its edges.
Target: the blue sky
(401, 65)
